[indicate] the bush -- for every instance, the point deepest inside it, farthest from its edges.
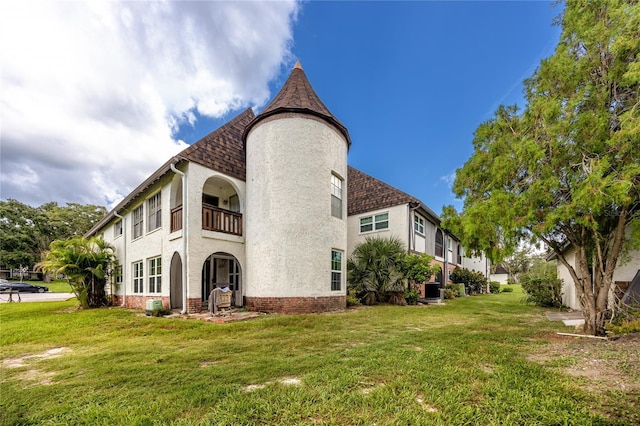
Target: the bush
(450, 293)
(506, 289)
(352, 299)
(453, 290)
(160, 312)
(411, 296)
(474, 281)
(494, 287)
(624, 328)
(542, 288)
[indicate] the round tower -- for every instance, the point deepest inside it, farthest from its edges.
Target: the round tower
(296, 204)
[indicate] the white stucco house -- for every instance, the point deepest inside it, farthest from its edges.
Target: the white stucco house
(626, 277)
(267, 206)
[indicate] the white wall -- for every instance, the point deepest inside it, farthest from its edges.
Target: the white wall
(161, 242)
(290, 231)
(203, 243)
(398, 227)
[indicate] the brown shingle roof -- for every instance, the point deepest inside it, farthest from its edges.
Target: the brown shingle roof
(297, 95)
(366, 193)
(222, 149)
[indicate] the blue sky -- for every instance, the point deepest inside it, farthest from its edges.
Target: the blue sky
(97, 95)
(413, 80)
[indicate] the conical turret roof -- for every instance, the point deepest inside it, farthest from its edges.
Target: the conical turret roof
(297, 95)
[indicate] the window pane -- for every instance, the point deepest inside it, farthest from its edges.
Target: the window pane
(336, 207)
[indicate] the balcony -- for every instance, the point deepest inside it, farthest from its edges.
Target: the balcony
(221, 220)
(213, 219)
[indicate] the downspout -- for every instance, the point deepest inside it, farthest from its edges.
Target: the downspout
(124, 255)
(184, 237)
(445, 277)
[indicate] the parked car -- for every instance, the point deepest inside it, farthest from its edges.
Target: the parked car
(23, 287)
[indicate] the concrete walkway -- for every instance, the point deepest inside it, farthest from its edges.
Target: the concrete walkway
(572, 319)
(37, 297)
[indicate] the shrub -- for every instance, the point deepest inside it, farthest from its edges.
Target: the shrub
(506, 289)
(352, 299)
(474, 281)
(494, 287)
(450, 293)
(412, 296)
(542, 288)
(624, 328)
(453, 291)
(160, 312)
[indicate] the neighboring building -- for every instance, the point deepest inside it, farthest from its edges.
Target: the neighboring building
(379, 209)
(500, 274)
(262, 205)
(626, 277)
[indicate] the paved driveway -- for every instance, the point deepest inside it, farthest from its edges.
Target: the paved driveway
(37, 297)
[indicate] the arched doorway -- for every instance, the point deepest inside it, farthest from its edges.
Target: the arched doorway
(175, 282)
(222, 270)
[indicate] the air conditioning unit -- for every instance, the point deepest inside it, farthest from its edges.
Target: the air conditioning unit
(152, 305)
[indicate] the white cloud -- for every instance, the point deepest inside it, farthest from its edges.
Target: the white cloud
(449, 179)
(92, 91)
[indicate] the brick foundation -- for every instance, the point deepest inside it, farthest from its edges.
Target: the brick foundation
(139, 302)
(296, 305)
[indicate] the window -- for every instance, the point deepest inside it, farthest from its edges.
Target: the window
(336, 196)
(374, 223)
(155, 275)
(118, 275)
(439, 243)
(459, 255)
(154, 211)
(336, 270)
(117, 229)
(418, 224)
(138, 220)
(138, 277)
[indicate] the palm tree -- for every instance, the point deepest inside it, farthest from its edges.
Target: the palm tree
(374, 270)
(86, 263)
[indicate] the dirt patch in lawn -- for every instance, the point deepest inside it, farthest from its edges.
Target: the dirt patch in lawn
(22, 361)
(34, 376)
(601, 365)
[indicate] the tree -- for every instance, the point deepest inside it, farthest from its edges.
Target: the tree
(566, 169)
(86, 263)
(26, 232)
(20, 228)
(374, 270)
(418, 268)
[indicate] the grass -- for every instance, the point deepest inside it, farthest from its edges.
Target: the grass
(469, 362)
(57, 286)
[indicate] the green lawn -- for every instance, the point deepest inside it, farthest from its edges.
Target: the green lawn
(57, 286)
(477, 360)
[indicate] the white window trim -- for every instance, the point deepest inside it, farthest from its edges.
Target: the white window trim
(153, 275)
(140, 223)
(118, 226)
(137, 278)
(156, 213)
(337, 271)
(374, 224)
(419, 221)
(337, 185)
